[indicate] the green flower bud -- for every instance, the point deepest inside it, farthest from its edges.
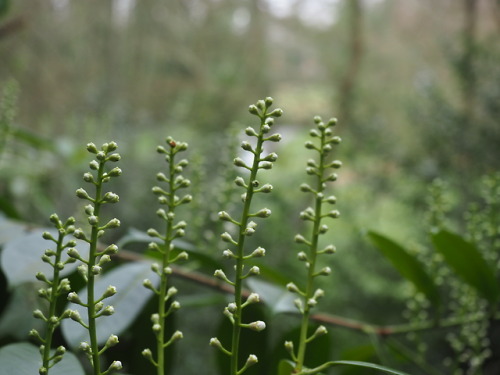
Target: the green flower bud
(147, 354)
(249, 231)
(94, 165)
(266, 165)
(333, 214)
(291, 287)
(93, 220)
(48, 236)
(240, 163)
(278, 112)
(114, 157)
(336, 164)
(82, 194)
(153, 233)
(228, 254)
(264, 213)
(115, 172)
(110, 197)
(258, 326)
(96, 270)
(92, 148)
(115, 366)
(112, 341)
(309, 145)
(108, 310)
(253, 298)
(253, 110)
(332, 121)
(266, 128)
(302, 256)
(226, 237)
(240, 182)
(336, 140)
(110, 291)
(314, 133)
(251, 132)
(246, 146)
(300, 239)
(85, 347)
(305, 188)
(274, 138)
(74, 298)
(323, 229)
(111, 249)
(87, 177)
(41, 276)
(259, 252)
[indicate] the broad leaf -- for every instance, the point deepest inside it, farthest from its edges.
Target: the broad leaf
(468, 263)
(21, 257)
(10, 229)
(25, 359)
(407, 265)
(128, 303)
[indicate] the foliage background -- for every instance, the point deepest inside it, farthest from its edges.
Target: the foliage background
(415, 84)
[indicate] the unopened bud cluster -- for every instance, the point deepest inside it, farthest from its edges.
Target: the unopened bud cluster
(246, 227)
(55, 288)
(321, 169)
(172, 182)
(92, 266)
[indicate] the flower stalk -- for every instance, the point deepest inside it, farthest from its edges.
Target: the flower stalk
(165, 246)
(91, 267)
(246, 227)
(56, 287)
(308, 295)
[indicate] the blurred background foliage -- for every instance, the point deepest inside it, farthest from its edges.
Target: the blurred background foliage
(415, 85)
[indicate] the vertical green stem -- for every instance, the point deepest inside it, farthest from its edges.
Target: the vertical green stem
(312, 260)
(53, 304)
(91, 311)
(240, 254)
(160, 339)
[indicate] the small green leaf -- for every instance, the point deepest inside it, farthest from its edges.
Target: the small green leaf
(467, 262)
(407, 265)
(128, 303)
(24, 359)
(285, 367)
(20, 257)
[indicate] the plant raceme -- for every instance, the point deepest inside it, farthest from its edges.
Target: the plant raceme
(246, 227)
(240, 226)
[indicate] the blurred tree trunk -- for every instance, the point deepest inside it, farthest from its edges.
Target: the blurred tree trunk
(466, 72)
(348, 83)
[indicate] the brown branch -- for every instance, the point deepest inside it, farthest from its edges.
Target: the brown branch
(322, 318)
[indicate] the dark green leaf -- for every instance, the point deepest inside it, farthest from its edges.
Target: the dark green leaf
(407, 265)
(285, 367)
(467, 262)
(24, 359)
